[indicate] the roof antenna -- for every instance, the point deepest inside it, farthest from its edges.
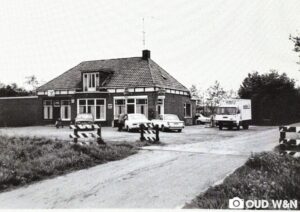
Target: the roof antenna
(144, 34)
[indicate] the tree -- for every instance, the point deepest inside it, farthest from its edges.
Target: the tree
(32, 81)
(194, 92)
(12, 90)
(296, 41)
(275, 99)
(215, 94)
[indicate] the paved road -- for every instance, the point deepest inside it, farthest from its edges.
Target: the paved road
(157, 177)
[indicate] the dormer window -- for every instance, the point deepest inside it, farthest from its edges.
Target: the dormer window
(90, 81)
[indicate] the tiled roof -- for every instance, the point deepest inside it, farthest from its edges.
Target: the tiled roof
(127, 72)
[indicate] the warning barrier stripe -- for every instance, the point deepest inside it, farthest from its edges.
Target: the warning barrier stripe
(291, 153)
(149, 131)
(295, 142)
(289, 129)
(150, 138)
(85, 127)
(148, 125)
(84, 135)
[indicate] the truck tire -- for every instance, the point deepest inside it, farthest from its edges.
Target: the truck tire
(246, 126)
(220, 126)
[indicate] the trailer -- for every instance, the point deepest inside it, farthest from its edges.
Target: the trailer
(234, 113)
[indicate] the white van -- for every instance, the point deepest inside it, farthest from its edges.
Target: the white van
(234, 113)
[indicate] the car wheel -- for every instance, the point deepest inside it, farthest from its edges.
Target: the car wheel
(163, 128)
(220, 127)
(179, 130)
(245, 126)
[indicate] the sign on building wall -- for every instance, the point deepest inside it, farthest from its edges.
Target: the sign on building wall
(51, 93)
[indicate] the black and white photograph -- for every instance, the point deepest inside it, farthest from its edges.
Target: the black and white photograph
(136, 104)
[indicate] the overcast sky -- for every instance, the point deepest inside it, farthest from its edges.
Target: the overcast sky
(197, 41)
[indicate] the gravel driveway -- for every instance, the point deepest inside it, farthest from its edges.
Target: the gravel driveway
(157, 177)
(191, 134)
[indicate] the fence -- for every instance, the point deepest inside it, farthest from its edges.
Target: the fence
(84, 132)
(149, 132)
(287, 145)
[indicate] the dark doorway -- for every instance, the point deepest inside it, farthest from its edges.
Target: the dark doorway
(56, 113)
(130, 108)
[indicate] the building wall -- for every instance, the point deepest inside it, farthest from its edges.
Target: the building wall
(19, 111)
(173, 103)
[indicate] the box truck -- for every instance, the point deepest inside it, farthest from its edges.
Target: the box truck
(234, 113)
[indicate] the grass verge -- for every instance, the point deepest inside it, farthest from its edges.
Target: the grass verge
(24, 160)
(265, 176)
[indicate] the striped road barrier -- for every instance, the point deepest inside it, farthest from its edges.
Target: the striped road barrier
(85, 126)
(289, 146)
(84, 131)
(149, 132)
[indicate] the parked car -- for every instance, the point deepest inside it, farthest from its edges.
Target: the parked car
(134, 120)
(169, 122)
(203, 119)
(84, 118)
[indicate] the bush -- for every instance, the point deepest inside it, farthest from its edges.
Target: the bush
(268, 176)
(24, 160)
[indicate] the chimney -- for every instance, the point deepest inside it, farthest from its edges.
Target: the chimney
(146, 54)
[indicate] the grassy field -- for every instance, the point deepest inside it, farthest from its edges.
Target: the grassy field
(267, 176)
(25, 160)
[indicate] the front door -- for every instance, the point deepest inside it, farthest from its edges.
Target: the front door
(56, 113)
(130, 108)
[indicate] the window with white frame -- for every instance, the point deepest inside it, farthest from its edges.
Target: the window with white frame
(90, 81)
(65, 110)
(132, 104)
(119, 107)
(48, 109)
(97, 107)
(187, 110)
(142, 106)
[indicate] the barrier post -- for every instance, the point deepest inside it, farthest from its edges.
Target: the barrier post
(142, 138)
(282, 136)
(99, 133)
(156, 133)
(76, 135)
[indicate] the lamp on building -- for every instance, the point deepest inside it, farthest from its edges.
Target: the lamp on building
(161, 92)
(126, 93)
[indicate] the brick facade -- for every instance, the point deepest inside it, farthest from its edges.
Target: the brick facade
(173, 103)
(20, 111)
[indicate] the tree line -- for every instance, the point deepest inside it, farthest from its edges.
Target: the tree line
(13, 89)
(275, 97)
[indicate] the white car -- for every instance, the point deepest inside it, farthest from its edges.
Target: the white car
(169, 121)
(134, 120)
(203, 119)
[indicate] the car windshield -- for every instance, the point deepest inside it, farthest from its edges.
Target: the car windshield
(226, 111)
(171, 117)
(136, 117)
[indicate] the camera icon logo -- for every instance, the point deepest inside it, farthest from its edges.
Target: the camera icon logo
(236, 203)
